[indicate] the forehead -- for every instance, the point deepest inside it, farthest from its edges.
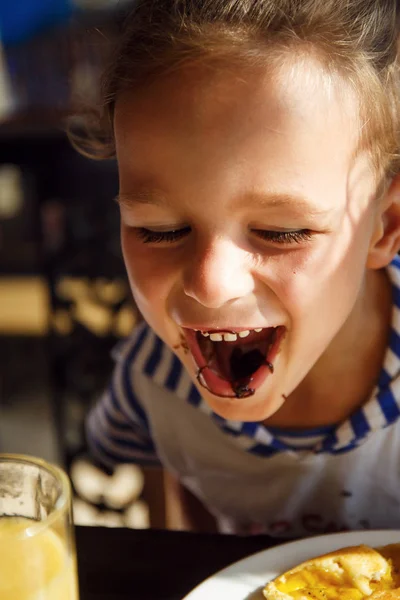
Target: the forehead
(206, 96)
(292, 120)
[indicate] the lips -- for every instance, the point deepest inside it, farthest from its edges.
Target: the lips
(234, 363)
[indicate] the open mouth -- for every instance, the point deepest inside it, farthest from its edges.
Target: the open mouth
(234, 364)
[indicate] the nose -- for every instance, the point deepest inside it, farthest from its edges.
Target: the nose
(218, 273)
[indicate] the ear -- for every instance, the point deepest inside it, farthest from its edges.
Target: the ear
(385, 242)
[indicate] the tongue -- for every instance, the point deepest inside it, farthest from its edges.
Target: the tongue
(220, 359)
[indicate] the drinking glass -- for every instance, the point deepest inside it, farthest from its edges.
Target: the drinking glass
(37, 546)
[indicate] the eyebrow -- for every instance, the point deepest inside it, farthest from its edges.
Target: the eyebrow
(143, 196)
(271, 200)
(285, 200)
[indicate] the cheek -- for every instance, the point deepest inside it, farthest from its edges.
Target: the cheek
(324, 278)
(292, 277)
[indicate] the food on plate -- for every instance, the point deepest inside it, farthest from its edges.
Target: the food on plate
(386, 595)
(351, 573)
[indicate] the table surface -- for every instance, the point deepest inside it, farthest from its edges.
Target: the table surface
(126, 564)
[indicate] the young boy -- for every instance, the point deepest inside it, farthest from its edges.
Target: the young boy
(260, 221)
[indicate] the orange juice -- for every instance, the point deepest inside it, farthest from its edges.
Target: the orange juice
(34, 565)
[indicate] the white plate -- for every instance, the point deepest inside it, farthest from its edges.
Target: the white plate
(244, 579)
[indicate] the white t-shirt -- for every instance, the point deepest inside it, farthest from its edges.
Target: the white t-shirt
(256, 479)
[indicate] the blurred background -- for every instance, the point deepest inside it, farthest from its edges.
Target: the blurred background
(64, 298)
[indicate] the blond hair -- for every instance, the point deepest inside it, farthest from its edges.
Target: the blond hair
(356, 39)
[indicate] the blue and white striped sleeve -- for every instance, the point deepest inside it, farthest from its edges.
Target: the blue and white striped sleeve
(117, 428)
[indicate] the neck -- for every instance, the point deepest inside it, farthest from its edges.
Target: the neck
(354, 358)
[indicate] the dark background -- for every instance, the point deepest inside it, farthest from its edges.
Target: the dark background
(64, 297)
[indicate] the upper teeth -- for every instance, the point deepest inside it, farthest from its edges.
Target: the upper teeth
(228, 336)
(243, 334)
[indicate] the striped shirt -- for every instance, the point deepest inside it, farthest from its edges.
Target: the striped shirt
(153, 414)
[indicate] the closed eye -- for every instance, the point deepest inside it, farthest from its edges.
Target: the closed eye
(148, 236)
(284, 237)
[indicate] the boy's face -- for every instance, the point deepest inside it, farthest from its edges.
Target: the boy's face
(243, 209)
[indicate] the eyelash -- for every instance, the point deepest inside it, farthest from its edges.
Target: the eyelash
(277, 237)
(157, 237)
(284, 237)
